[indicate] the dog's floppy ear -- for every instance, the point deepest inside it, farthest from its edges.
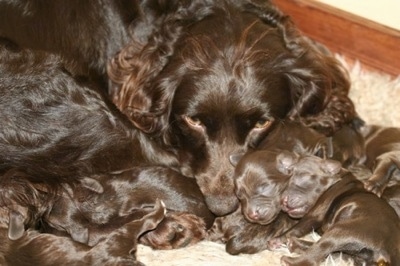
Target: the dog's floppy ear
(285, 161)
(137, 89)
(319, 84)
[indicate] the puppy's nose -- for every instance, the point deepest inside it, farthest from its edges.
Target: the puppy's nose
(284, 201)
(254, 214)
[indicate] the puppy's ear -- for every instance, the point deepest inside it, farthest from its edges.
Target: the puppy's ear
(16, 227)
(285, 161)
(235, 158)
(331, 167)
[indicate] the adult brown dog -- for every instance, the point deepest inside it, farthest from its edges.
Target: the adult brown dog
(220, 85)
(201, 80)
(339, 214)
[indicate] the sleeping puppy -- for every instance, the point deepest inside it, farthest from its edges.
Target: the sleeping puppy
(117, 248)
(23, 204)
(382, 157)
(346, 145)
(260, 178)
(91, 210)
(288, 135)
(309, 177)
(229, 231)
(340, 215)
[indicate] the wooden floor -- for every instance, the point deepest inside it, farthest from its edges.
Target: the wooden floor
(374, 45)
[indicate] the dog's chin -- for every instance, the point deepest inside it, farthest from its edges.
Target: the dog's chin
(221, 206)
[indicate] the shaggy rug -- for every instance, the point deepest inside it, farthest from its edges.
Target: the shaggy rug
(377, 100)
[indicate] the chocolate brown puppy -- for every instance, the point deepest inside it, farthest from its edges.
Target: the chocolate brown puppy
(309, 177)
(89, 215)
(382, 156)
(340, 215)
(260, 178)
(30, 247)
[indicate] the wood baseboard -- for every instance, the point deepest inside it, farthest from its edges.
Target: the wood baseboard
(355, 37)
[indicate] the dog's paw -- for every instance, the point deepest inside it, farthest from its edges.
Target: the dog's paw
(177, 230)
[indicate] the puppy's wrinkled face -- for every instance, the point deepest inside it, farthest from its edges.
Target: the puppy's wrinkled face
(311, 177)
(226, 101)
(259, 186)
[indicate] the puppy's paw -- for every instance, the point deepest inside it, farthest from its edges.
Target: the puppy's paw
(374, 186)
(177, 230)
(296, 245)
(276, 243)
(222, 230)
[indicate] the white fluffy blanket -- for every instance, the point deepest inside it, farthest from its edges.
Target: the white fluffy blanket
(377, 100)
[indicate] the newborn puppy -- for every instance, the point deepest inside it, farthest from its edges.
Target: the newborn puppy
(90, 211)
(294, 136)
(310, 176)
(260, 177)
(351, 220)
(346, 145)
(118, 248)
(383, 156)
(240, 236)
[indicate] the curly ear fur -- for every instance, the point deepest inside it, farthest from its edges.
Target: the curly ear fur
(265, 10)
(135, 66)
(319, 84)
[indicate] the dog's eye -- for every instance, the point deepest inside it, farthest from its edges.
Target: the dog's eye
(193, 121)
(262, 123)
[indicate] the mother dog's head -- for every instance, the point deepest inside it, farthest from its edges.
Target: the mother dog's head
(211, 80)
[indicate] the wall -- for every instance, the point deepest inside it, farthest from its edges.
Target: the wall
(385, 12)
